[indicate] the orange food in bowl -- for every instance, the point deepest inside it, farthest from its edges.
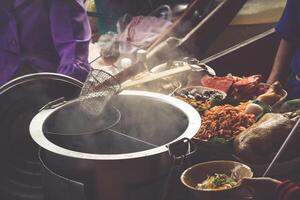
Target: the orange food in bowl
(225, 122)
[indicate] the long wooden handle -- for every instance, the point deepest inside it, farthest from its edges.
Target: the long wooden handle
(189, 11)
(129, 72)
(156, 76)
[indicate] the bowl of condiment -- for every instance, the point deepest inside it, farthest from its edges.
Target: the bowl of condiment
(201, 98)
(216, 180)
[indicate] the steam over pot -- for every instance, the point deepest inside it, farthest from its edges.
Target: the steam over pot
(126, 161)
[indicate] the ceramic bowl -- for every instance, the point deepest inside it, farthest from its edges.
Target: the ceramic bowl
(199, 172)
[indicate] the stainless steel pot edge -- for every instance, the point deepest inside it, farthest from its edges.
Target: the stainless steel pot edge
(37, 76)
(36, 130)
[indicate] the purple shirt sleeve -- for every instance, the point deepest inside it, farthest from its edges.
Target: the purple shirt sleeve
(71, 34)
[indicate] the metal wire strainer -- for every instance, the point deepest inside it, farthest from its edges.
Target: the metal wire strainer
(100, 85)
(97, 90)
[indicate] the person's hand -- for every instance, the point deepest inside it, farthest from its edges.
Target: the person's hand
(263, 188)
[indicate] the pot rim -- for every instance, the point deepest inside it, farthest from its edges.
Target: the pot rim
(194, 119)
(39, 76)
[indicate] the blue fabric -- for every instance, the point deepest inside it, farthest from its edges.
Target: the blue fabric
(293, 87)
(288, 28)
(48, 35)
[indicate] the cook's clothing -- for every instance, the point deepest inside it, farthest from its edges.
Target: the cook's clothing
(141, 32)
(288, 28)
(48, 35)
(288, 190)
(23, 70)
(293, 87)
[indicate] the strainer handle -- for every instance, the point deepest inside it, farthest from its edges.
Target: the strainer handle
(53, 104)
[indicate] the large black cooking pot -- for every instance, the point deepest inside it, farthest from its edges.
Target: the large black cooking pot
(126, 161)
(20, 100)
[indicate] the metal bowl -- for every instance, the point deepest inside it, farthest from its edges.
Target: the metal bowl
(20, 99)
(189, 126)
(132, 153)
(200, 89)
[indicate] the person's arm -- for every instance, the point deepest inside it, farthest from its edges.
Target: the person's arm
(281, 62)
(263, 188)
(268, 188)
(288, 30)
(71, 35)
(288, 190)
